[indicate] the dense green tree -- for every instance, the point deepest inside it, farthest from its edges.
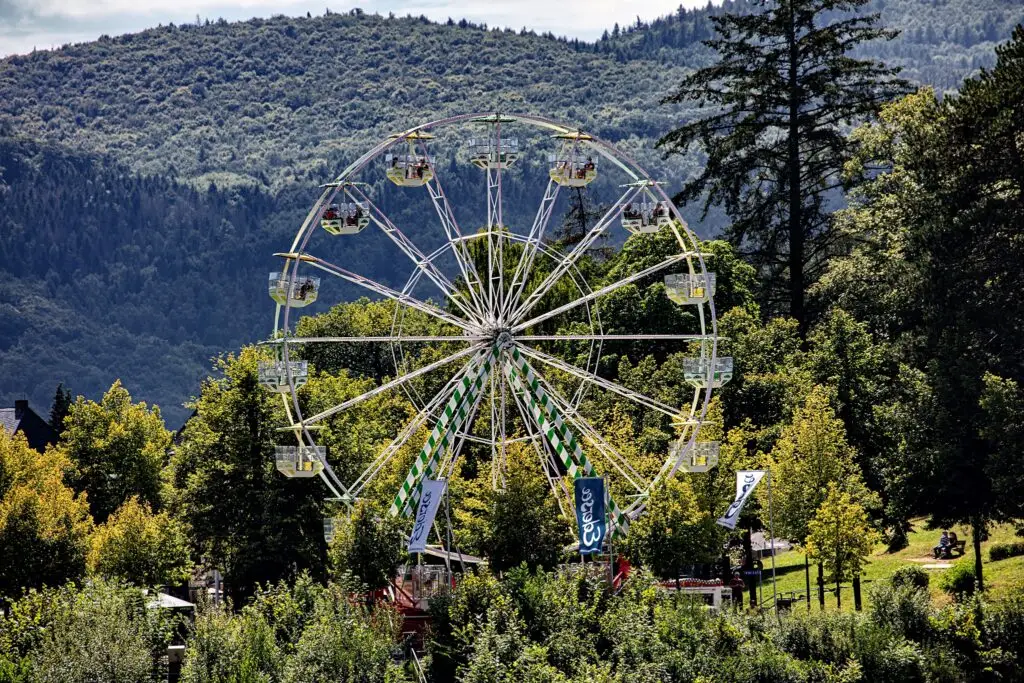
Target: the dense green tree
(61, 407)
(952, 196)
(518, 523)
(118, 448)
(369, 545)
(673, 532)
(140, 547)
(781, 91)
(44, 524)
(244, 517)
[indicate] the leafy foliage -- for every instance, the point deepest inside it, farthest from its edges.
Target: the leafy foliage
(368, 546)
(777, 97)
(242, 515)
(140, 547)
(118, 450)
(44, 524)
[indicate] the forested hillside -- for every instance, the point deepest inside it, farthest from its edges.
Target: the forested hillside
(941, 42)
(165, 167)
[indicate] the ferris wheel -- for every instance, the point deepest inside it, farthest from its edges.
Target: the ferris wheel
(496, 336)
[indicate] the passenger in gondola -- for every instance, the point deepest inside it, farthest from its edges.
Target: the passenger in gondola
(589, 166)
(331, 213)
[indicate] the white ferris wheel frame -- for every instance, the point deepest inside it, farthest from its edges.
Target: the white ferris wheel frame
(509, 308)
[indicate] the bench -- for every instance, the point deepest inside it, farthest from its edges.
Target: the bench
(955, 550)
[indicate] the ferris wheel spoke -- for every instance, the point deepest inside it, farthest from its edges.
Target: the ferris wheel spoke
(634, 396)
(534, 240)
(601, 292)
(391, 385)
(386, 291)
(378, 339)
(532, 338)
(570, 259)
(410, 429)
(419, 259)
(451, 228)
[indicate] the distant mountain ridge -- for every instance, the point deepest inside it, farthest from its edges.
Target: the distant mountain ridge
(146, 179)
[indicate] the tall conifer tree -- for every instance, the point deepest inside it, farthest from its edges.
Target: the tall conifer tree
(778, 98)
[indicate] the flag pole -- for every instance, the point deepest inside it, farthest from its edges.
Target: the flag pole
(771, 533)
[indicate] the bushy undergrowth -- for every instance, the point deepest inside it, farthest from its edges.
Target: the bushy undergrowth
(959, 580)
(563, 627)
(1003, 551)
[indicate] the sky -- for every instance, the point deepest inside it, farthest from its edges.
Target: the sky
(45, 24)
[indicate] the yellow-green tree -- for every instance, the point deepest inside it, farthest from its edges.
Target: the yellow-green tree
(139, 546)
(841, 538)
(44, 524)
(811, 453)
(118, 448)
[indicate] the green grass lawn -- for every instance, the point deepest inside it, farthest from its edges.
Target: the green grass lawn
(1000, 577)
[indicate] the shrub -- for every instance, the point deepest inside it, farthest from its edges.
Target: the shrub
(1002, 551)
(902, 608)
(959, 580)
(910, 575)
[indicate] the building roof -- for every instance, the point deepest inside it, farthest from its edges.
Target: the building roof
(23, 420)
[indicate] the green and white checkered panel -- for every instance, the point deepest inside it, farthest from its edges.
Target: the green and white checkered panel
(462, 403)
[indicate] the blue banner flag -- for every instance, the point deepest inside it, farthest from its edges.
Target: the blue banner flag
(590, 513)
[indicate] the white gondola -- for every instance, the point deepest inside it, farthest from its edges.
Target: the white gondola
(345, 219)
(646, 216)
(301, 293)
(486, 153)
(300, 461)
(574, 164)
(690, 288)
(701, 458)
(331, 527)
(412, 167)
(697, 371)
(273, 375)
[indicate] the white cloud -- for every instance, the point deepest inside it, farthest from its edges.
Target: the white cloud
(28, 24)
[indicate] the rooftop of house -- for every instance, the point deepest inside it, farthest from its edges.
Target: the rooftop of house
(23, 420)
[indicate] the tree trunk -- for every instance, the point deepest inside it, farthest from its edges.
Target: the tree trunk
(821, 586)
(839, 599)
(807, 576)
(977, 533)
(748, 564)
(856, 593)
(793, 172)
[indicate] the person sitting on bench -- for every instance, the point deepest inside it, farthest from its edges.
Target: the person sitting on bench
(943, 547)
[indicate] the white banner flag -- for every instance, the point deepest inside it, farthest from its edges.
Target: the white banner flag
(746, 482)
(430, 500)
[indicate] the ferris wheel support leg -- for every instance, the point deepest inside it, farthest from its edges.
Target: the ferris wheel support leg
(564, 442)
(548, 462)
(613, 457)
(570, 259)
(409, 430)
(455, 413)
(419, 259)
